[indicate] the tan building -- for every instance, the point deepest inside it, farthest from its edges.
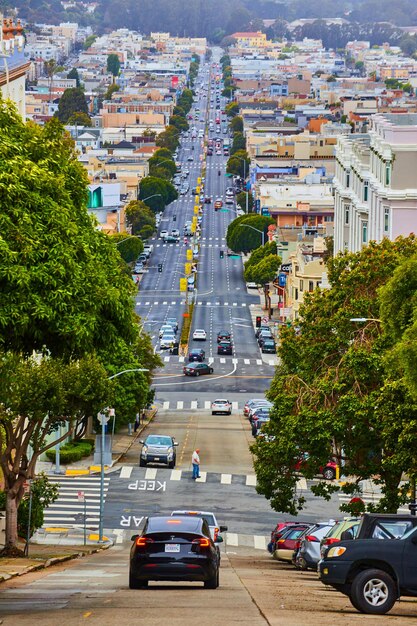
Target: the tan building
(13, 65)
(145, 120)
(251, 40)
(299, 147)
(128, 170)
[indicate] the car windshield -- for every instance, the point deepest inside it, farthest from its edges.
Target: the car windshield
(158, 440)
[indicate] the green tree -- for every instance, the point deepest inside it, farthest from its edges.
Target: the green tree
(163, 190)
(242, 198)
(89, 41)
(129, 247)
(82, 119)
(113, 64)
(236, 124)
(72, 101)
(168, 138)
(111, 89)
(178, 122)
(232, 109)
(337, 391)
(74, 74)
(240, 238)
(238, 164)
(139, 215)
(264, 272)
(258, 255)
(239, 143)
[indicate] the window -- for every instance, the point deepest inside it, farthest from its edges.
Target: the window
(295, 293)
(311, 285)
(386, 220)
(365, 190)
(347, 214)
(301, 285)
(348, 178)
(387, 173)
(364, 232)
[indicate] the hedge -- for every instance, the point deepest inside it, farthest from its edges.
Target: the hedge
(72, 451)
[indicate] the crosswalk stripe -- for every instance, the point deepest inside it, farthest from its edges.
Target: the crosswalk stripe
(302, 484)
(181, 359)
(232, 539)
(246, 361)
(203, 478)
(207, 404)
(222, 360)
(166, 359)
(176, 474)
(211, 360)
(126, 471)
(150, 473)
(243, 303)
(258, 361)
(194, 404)
(251, 480)
(226, 479)
(234, 361)
(225, 304)
(180, 404)
(235, 405)
(165, 406)
(259, 542)
(234, 304)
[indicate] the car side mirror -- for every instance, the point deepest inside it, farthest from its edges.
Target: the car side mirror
(219, 539)
(176, 443)
(141, 441)
(133, 537)
(223, 529)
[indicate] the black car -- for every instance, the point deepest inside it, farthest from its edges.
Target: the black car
(268, 346)
(174, 548)
(374, 573)
(196, 354)
(197, 369)
(262, 328)
(225, 347)
(223, 335)
(263, 337)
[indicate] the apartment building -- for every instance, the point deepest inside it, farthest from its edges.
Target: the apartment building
(13, 66)
(375, 182)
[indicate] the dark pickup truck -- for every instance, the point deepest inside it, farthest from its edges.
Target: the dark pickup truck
(374, 571)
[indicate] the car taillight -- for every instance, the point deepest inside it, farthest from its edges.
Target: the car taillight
(329, 540)
(297, 544)
(310, 538)
(202, 542)
(280, 540)
(141, 542)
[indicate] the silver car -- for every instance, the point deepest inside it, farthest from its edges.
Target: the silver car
(308, 554)
(158, 449)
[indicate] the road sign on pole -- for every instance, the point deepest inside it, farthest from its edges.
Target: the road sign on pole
(81, 496)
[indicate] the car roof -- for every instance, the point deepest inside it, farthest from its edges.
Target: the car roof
(172, 524)
(220, 400)
(196, 350)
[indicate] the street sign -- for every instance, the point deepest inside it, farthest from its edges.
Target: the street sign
(81, 496)
(26, 486)
(286, 267)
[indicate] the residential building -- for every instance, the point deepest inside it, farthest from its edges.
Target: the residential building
(13, 66)
(375, 182)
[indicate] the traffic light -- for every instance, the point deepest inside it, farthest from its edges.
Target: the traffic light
(221, 254)
(159, 267)
(258, 321)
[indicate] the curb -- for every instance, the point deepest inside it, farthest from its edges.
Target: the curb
(53, 561)
(134, 439)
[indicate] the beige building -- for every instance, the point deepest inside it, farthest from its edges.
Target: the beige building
(13, 66)
(127, 170)
(304, 146)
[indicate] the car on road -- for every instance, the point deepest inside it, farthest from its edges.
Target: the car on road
(257, 424)
(209, 516)
(167, 341)
(197, 369)
(175, 232)
(166, 328)
(218, 203)
(172, 321)
(221, 406)
(174, 549)
(158, 449)
(190, 158)
(199, 334)
(171, 239)
(163, 234)
(225, 347)
(373, 573)
(207, 200)
(223, 335)
(196, 354)
(268, 347)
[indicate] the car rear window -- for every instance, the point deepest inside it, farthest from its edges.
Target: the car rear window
(391, 529)
(206, 516)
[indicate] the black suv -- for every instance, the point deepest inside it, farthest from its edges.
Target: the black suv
(197, 354)
(375, 571)
(225, 347)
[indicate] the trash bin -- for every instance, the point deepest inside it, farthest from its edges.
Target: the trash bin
(271, 312)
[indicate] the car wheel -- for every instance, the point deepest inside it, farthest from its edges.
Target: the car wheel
(134, 583)
(213, 582)
(197, 373)
(171, 465)
(329, 473)
(373, 591)
(142, 463)
(230, 412)
(211, 370)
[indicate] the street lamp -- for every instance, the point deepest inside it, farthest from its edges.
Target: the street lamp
(149, 197)
(103, 421)
(364, 319)
(244, 176)
(257, 230)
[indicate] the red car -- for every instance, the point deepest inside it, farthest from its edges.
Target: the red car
(328, 472)
(285, 546)
(279, 530)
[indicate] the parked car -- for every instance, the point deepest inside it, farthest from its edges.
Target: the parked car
(279, 531)
(196, 354)
(259, 410)
(251, 285)
(223, 335)
(286, 543)
(158, 449)
(344, 530)
(166, 328)
(372, 573)
(221, 406)
(268, 347)
(257, 425)
(167, 341)
(207, 200)
(307, 549)
(263, 328)
(328, 471)
(174, 549)
(225, 347)
(172, 321)
(197, 369)
(263, 336)
(254, 402)
(199, 334)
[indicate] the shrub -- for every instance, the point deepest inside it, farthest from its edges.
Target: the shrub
(72, 451)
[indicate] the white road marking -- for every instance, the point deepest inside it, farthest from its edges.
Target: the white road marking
(222, 360)
(246, 361)
(234, 360)
(181, 359)
(259, 542)
(150, 473)
(235, 405)
(271, 362)
(226, 479)
(165, 406)
(207, 404)
(126, 471)
(180, 404)
(176, 474)
(232, 539)
(166, 359)
(251, 480)
(194, 404)
(203, 478)
(258, 361)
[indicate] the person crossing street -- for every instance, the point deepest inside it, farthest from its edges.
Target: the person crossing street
(195, 460)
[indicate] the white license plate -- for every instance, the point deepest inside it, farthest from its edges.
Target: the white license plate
(172, 547)
(156, 458)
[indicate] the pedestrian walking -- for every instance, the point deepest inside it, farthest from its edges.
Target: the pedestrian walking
(195, 460)
(136, 422)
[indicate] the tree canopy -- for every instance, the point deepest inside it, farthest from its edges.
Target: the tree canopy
(139, 216)
(163, 191)
(338, 392)
(72, 101)
(241, 236)
(113, 64)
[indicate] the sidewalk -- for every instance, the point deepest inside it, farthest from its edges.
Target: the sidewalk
(122, 442)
